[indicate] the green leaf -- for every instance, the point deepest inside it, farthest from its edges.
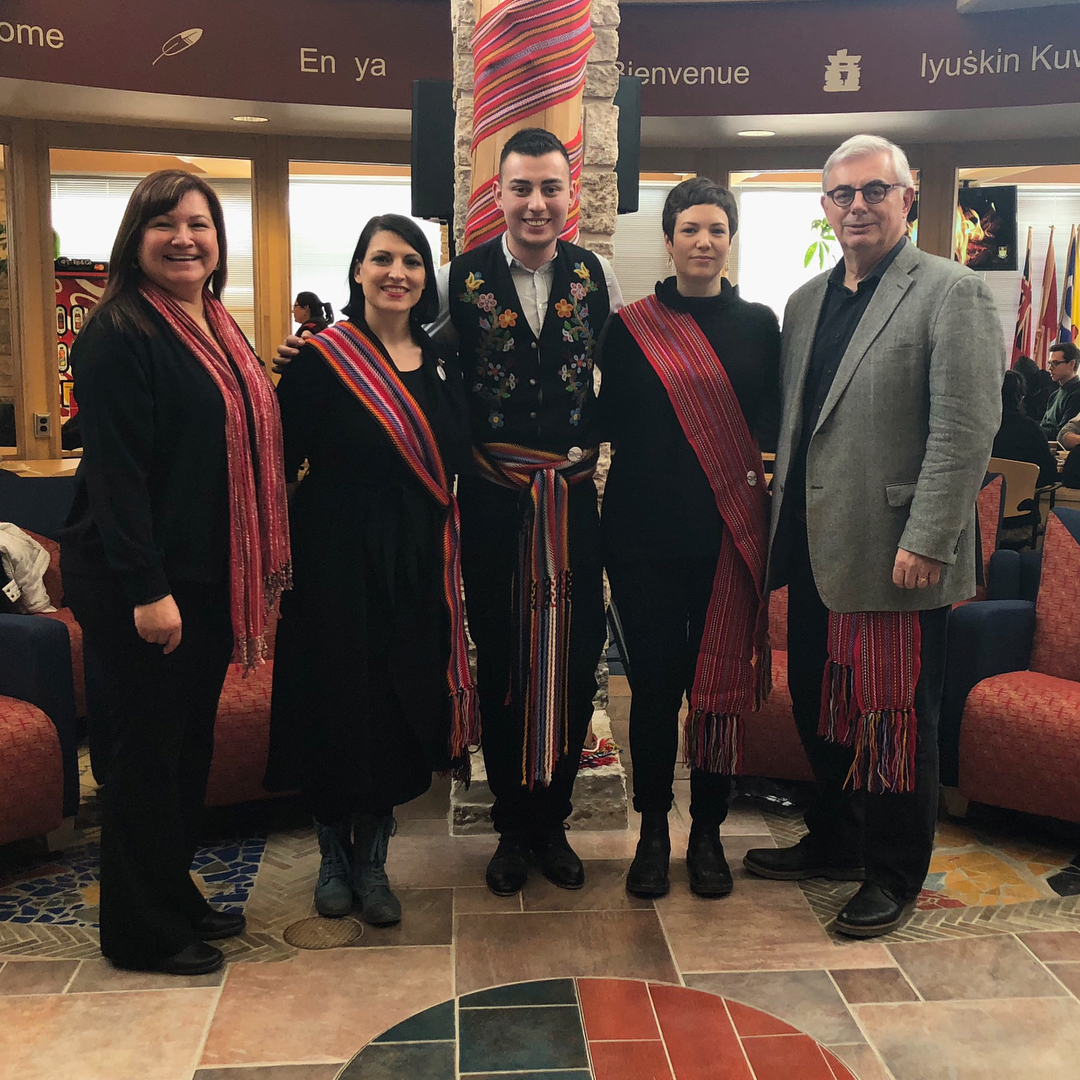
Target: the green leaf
(810, 252)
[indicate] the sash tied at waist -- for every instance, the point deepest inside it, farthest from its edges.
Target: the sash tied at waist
(541, 594)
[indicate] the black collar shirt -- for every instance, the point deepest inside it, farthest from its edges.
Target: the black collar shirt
(841, 312)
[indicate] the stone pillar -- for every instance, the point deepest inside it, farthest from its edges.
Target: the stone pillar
(599, 195)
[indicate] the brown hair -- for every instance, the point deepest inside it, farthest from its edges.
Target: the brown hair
(154, 195)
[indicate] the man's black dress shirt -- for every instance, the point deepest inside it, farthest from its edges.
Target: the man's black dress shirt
(841, 312)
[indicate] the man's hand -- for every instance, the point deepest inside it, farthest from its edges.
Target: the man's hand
(159, 623)
(287, 351)
(911, 571)
(1070, 440)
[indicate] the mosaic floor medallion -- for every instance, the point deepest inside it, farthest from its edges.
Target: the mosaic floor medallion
(593, 1029)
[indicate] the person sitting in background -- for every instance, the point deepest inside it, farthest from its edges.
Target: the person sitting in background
(1064, 403)
(1069, 437)
(311, 313)
(1020, 438)
(1038, 386)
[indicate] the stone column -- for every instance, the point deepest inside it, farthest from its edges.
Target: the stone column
(599, 195)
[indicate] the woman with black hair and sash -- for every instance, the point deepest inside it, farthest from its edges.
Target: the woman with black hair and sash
(372, 690)
(690, 376)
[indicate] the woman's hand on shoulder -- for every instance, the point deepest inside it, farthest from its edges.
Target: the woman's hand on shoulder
(159, 623)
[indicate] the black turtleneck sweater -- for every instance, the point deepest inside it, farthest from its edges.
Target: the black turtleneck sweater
(658, 503)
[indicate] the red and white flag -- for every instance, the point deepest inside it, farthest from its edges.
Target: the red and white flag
(1022, 337)
(1048, 314)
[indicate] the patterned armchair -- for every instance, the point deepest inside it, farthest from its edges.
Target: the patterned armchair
(1014, 675)
(39, 767)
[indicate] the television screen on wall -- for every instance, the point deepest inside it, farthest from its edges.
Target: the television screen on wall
(985, 232)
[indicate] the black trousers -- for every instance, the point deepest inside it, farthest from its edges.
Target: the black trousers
(894, 832)
(662, 606)
(490, 518)
(160, 712)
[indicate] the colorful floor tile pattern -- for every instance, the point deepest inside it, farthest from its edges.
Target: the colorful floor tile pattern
(594, 1029)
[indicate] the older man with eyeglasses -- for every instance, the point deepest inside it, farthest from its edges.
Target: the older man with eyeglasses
(890, 376)
(1064, 402)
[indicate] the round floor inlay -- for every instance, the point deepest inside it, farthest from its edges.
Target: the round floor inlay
(594, 1029)
(318, 933)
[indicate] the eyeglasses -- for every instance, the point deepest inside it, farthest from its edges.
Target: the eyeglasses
(872, 193)
(1056, 363)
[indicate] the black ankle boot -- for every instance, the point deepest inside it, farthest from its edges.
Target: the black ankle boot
(706, 866)
(648, 876)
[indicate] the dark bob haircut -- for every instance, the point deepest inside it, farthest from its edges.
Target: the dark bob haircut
(698, 191)
(156, 194)
(1012, 391)
(532, 142)
(427, 307)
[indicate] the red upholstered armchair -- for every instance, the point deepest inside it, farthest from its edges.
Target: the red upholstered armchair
(1020, 726)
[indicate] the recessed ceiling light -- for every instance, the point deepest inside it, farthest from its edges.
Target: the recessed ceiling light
(756, 133)
(252, 119)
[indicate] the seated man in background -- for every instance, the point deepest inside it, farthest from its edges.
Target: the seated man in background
(1020, 438)
(1069, 437)
(1064, 403)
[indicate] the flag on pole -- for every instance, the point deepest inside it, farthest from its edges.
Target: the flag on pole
(1074, 329)
(1068, 292)
(1022, 337)
(1048, 302)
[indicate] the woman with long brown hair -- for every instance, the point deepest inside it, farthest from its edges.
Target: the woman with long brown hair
(173, 556)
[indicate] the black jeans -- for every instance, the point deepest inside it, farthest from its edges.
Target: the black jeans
(489, 533)
(662, 606)
(160, 714)
(894, 832)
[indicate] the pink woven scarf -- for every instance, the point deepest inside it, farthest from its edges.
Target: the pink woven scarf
(259, 563)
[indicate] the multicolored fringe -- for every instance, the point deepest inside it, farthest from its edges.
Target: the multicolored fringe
(259, 560)
(528, 56)
(868, 696)
(542, 596)
(733, 668)
(361, 364)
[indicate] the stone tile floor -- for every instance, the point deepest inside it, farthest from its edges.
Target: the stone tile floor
(988, 989)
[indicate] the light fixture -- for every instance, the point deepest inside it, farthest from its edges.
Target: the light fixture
(252, 119)
(756, 133)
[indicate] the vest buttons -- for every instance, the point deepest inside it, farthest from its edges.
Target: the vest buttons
(751, 478)
(532, 416)
(532, 382)
(534, 344)
(574, 454)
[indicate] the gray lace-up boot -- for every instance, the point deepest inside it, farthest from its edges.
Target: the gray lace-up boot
(333, 895)
(372, 834)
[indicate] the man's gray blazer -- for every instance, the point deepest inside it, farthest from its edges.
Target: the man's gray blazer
(900, 449)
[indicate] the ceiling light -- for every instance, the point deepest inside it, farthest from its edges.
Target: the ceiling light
(756, 133)
(252, 119)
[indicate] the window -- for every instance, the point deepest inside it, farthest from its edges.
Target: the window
(641, 258)
(329, 203)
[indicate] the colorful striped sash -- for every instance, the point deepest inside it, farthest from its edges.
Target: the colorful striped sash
(733, 664)
(364, 367)
(868, 696)
(542, 602)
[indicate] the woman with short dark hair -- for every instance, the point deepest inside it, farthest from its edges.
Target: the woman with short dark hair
(690, 377)
(372, 690)
(173, 556)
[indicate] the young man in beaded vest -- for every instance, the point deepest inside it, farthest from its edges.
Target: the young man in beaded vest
(526, 310)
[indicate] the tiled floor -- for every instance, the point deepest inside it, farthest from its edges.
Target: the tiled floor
(988, 990)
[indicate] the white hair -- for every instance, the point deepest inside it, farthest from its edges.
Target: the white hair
(859, 146)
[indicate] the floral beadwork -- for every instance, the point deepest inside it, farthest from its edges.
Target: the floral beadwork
(493, 362)
(577, 374)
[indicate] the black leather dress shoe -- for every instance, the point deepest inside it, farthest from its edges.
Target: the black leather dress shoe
(706, 866)
(509, 867)
(197, 959)
(801, 861)
(215, 925)
(558, 860)
(648, 874)
(872, 911)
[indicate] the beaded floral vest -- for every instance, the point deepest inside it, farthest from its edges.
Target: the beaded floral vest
(536, 392)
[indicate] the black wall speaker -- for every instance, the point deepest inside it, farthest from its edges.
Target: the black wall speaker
(433, 149)
(628, 167)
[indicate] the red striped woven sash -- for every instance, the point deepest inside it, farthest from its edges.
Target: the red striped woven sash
(733, 666)
(542, 601)
(363, 366)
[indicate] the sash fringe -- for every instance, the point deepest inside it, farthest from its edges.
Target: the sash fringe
(885, 742)
(713, 741)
